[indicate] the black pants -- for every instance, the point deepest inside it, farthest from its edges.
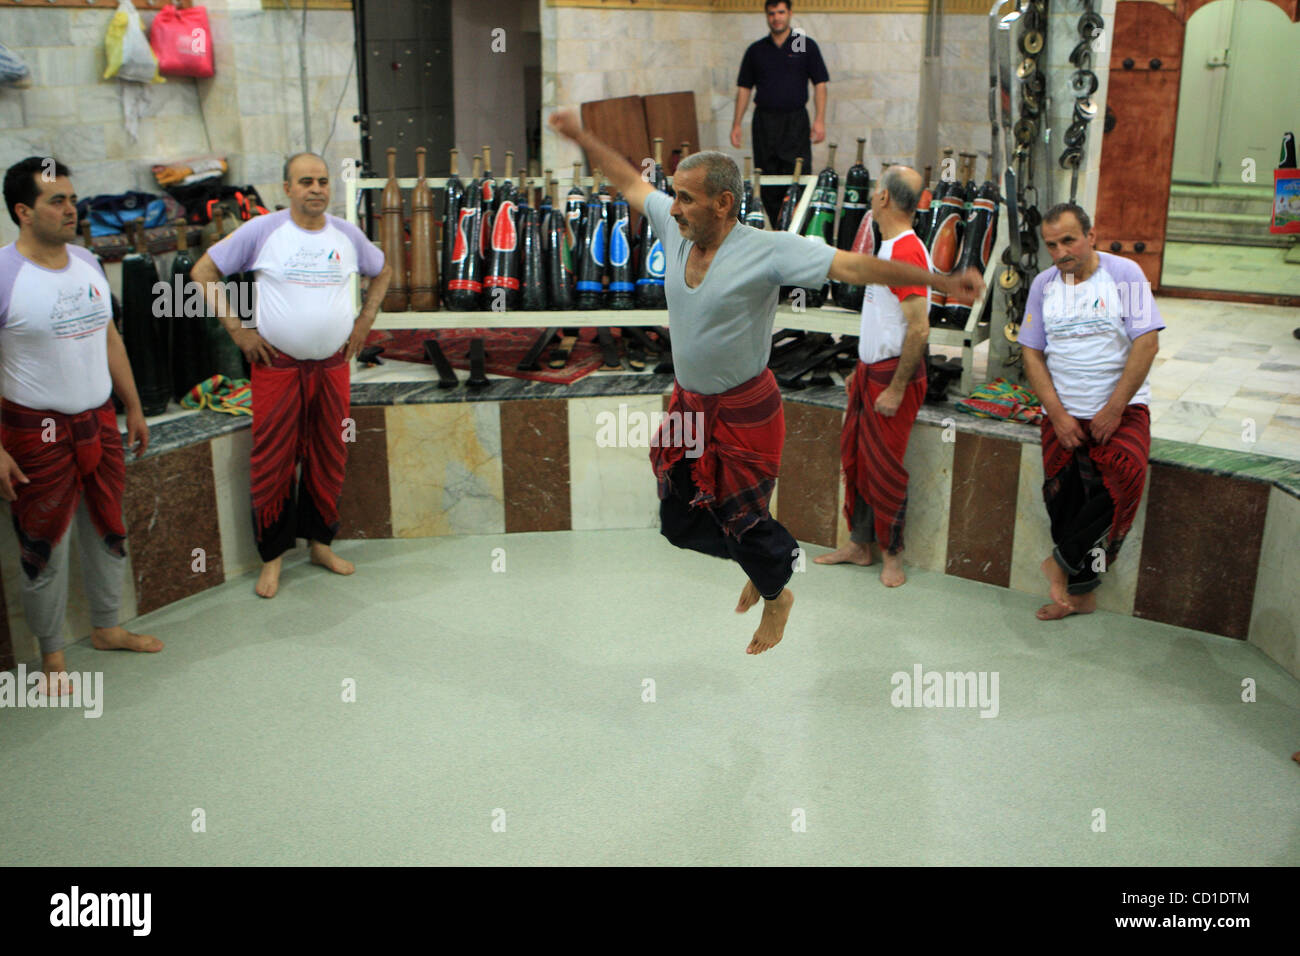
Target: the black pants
(766, 552)
(1082, 513)
(299, 518)
(779, 139)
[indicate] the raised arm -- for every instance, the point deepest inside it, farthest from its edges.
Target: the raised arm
(624, 176)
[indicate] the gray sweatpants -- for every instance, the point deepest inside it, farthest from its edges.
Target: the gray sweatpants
(45, 599)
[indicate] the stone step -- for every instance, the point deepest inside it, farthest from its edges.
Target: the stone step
(1243, 229)
(1240, 201)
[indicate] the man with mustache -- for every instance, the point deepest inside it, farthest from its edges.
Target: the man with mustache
(305, 336)
(61, 454)
(722, 281)
(1089, 335)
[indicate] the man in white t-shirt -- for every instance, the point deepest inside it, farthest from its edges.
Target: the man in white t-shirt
(60, 451)
(305, 336)
(1089, 334)
(886, 389)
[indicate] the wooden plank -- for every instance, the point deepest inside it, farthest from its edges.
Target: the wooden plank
(620, 123)
(672, 116)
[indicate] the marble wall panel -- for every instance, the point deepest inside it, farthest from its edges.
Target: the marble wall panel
(444, 469)
(170, 508)
(611, 486)
(981, 526)
(1275, 616)
(1201, 550)
(929, 464)
(810, 471)
(365, 507)
(535, 465)
(230, 469)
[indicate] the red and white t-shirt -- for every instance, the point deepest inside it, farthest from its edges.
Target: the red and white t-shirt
(883, 325)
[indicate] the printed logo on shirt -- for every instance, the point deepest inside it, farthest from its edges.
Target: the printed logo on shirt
(314, 267)
(1071, 310)
(94, 294)
(74, 317)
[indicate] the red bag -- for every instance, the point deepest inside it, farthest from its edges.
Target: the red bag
(182, 42)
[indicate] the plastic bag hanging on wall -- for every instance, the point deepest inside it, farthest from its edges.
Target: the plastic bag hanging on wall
(13, 70)
(127, 49)
(182, 42)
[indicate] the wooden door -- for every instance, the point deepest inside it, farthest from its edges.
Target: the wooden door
(1137, 155)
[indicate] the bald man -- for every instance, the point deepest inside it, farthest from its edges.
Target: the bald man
(886, 389)
(305, 335)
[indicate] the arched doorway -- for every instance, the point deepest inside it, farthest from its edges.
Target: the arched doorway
(1236, 98)
(1137, 159)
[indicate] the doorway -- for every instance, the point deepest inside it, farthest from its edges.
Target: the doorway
(1236, 99)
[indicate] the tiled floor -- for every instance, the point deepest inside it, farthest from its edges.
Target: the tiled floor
(1191, 265)
(1228, 376)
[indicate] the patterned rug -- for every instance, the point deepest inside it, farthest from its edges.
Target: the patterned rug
(503, 349)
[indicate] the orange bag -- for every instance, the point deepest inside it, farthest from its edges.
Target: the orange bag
(182, 41)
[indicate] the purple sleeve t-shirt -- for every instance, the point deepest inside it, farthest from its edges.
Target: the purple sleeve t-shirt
(1086, 330)
(303, 304)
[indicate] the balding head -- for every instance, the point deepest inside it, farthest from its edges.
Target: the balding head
(307, 185)
(894, 203)
(297, 159)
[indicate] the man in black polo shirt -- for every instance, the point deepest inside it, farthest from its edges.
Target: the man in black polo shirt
(781, 65)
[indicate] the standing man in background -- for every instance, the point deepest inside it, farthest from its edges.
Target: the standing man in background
(781, 65)
(886, 389)
(305, 336)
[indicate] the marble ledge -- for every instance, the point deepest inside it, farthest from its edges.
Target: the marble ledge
(180, 430)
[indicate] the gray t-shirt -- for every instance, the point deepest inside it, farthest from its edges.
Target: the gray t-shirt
(722, 330)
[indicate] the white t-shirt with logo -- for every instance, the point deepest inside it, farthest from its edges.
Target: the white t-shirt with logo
(1085, 330)
(883, 325)
(303, 307)
(54, 332)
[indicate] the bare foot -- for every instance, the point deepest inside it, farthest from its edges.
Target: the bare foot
(1078, 604)
(53, 676)
(772, 627)
(268, 582)
(120, 639)
(891, 575)
(322, 555)
(851, 553)
(748, 598)
(1057, 584)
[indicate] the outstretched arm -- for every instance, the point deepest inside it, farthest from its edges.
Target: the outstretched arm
(856, 268)
(618, 170)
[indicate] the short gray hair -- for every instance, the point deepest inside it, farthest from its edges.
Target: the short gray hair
(721, 174)
(903, 195)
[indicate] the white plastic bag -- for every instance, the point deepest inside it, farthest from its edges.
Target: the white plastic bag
(13, 71)
(128, 52)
